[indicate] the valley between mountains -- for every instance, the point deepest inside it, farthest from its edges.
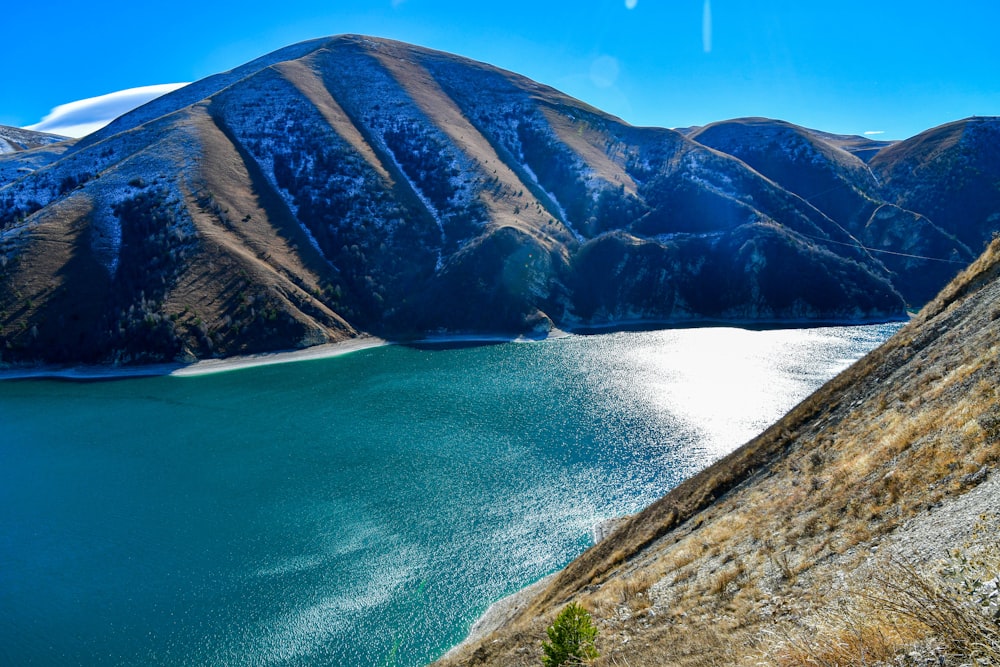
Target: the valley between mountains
(350, 185)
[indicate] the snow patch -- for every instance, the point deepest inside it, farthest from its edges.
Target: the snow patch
(552, 197)
(439, 263)
(107, 244)
(679, 236)
(714, 181)
(266, 162)
(874, 177)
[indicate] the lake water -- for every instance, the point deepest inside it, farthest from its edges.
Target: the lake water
(358, 510)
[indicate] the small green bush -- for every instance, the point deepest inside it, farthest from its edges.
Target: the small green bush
(571, 638)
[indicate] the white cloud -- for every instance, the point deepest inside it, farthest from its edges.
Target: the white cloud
(80, 118)
(870, 133)
(630, 4)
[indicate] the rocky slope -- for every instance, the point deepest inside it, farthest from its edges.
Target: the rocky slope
(769, 555)
(355, 185)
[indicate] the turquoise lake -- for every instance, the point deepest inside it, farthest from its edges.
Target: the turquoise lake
(362, 509)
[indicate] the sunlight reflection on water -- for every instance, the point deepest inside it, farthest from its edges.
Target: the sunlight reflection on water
(726, 384)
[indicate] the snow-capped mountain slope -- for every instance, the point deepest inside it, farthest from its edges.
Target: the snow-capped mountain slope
(14, 139)
(353, 184)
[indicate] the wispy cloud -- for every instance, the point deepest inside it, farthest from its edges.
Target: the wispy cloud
(871, 133)
(80, 118)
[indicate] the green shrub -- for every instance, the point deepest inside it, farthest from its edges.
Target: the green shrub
(571, 638)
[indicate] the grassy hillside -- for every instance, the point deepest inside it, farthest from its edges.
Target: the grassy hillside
(768, 556)
(965, 178)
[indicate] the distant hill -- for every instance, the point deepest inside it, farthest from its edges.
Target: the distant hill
(824, 170)
(949, 174)
(864, 148)
(356, 185)
(13, 139)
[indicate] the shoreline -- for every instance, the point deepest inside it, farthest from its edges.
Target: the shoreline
(499, 613)
(96, 372)
(90, 373)
(749, 325)
(324, 351)
(503, 610)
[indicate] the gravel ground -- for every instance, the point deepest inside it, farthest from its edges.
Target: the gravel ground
(949, 525)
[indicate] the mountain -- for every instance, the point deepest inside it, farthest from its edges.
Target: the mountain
(818, 541)
(14, 139)
(353, 185)
(949, 174)
(826, 171)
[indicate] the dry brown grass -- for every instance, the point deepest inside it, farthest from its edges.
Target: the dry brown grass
(851, 634)
(892, 608)
(725, 582)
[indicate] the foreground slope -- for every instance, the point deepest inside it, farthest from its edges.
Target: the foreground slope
(759, 547)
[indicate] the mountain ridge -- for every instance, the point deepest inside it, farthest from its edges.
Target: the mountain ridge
(361, 185)
(15, 139)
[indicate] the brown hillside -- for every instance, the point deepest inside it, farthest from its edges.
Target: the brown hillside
(355, 185)
(747, 558)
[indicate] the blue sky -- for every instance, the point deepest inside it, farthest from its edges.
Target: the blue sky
(849, 66)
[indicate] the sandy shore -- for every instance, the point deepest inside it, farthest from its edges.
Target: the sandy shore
(208, 366)
(203, 367)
